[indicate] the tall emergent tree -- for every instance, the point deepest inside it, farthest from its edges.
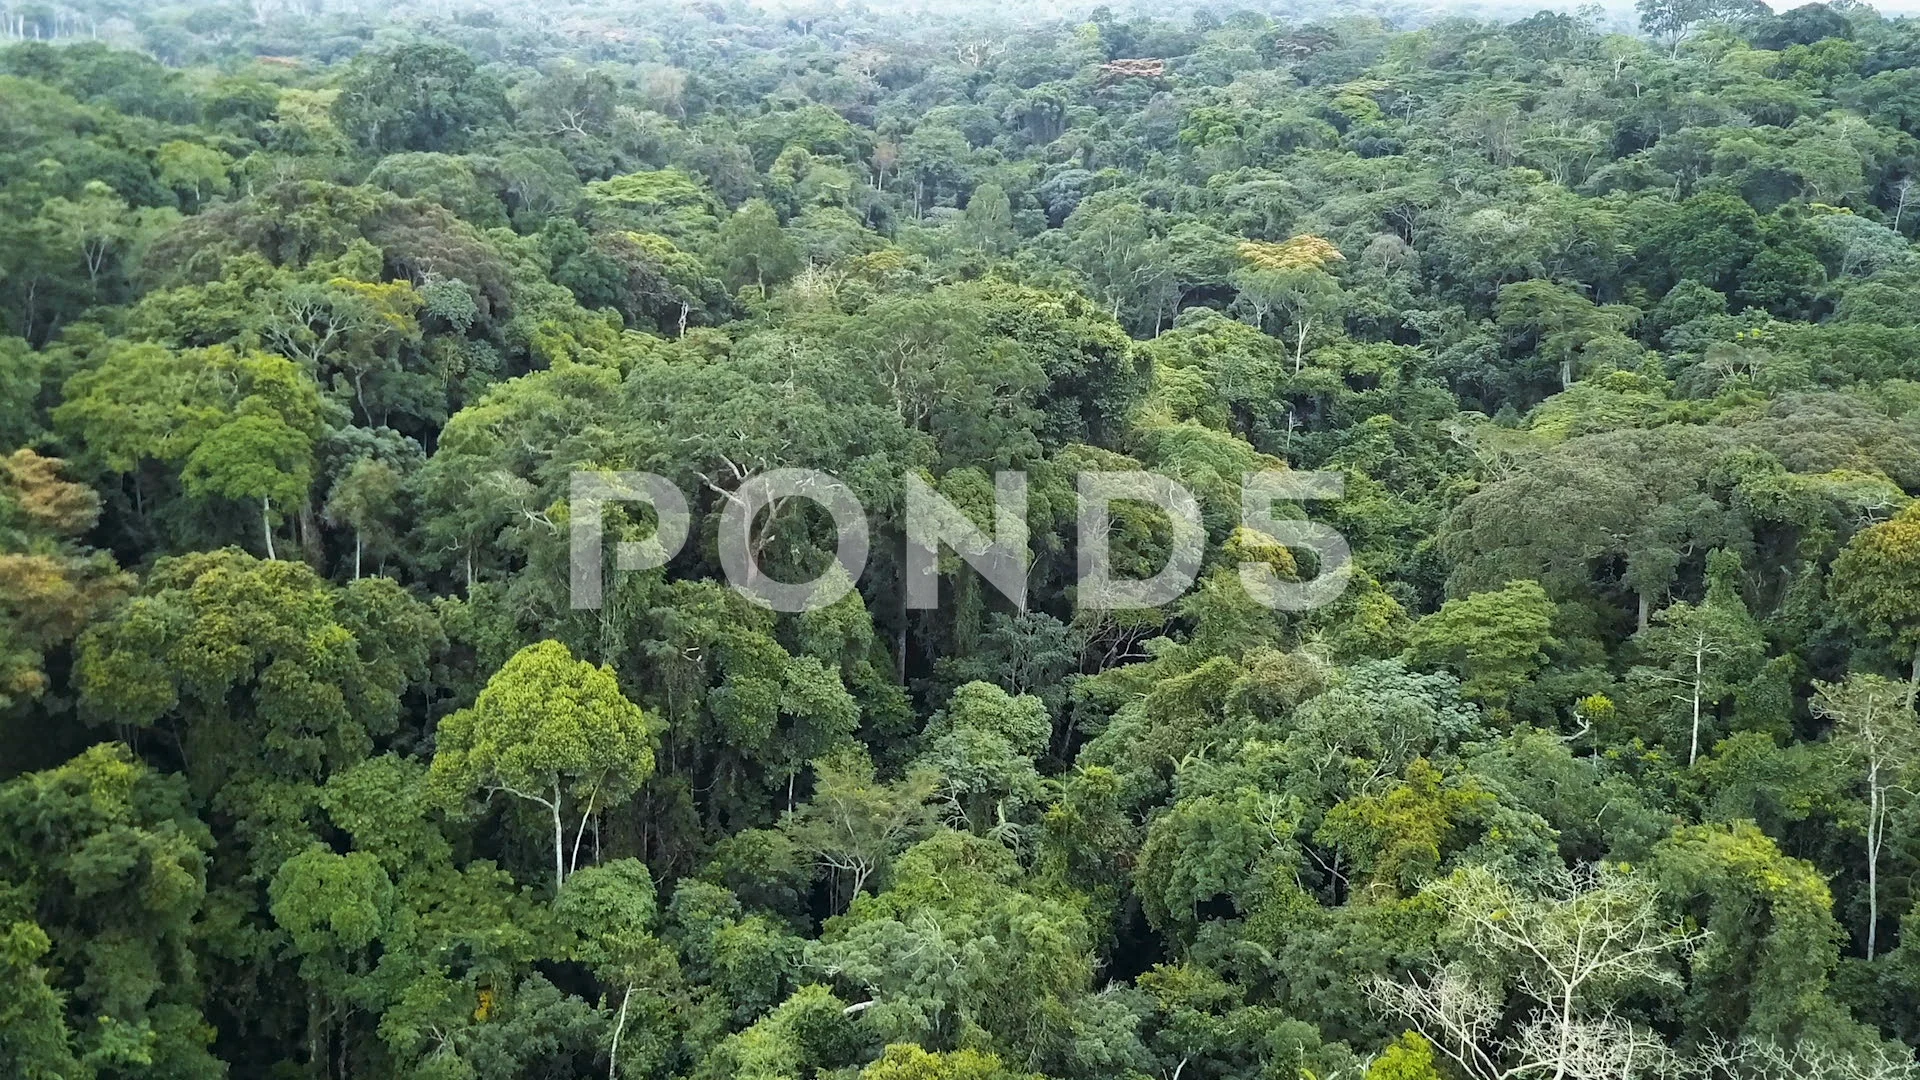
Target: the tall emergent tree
(1706, 651)
(1879, 733)
(553, 731)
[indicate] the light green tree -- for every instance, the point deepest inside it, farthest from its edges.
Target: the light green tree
(808, 1033)
(1293, 280)
(1674, 21)
(34, 1041)
(241, 425)
(92, 226)
(553, 731)
(988, 223)
(1410, 1057)
(1876, 583)
(255, 458)
(612, 912)
(983, 745)
(1772, 944)
(753, 249)
(363, 500)
(191, 167)
(1398, 838)
(1232, 844)
(1113, 247)
(1563, 327)
(906, 1061)
(955, 949)
(333, 908)
(1707, 651)
(1493, 640)
(855, 823)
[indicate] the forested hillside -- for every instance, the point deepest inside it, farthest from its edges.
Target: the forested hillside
(1603, 765)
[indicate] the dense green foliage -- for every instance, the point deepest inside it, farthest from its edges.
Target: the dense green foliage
(1602, 766)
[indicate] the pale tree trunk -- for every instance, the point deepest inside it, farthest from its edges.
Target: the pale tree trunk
(1566, 1034)
(96, 257)
(316, 1029)
(559, 844)
(1876, 808)
(1699, 669)
(266, 525)
(1913, 678)
(619, 1025)
(312, 548)
(581, 833)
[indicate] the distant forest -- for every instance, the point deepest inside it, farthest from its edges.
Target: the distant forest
(1602, 767)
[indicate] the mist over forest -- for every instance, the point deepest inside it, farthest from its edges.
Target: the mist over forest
(1544, 390)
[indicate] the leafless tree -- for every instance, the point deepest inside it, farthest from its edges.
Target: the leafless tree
(1753, 1059)
(1560, 955)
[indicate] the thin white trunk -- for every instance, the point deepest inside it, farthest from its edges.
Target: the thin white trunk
(581, 833)
(1566, 1034)
(266, 525)
(559, 844)
(1875, 810)
(1699, 668)
(619, 1024)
